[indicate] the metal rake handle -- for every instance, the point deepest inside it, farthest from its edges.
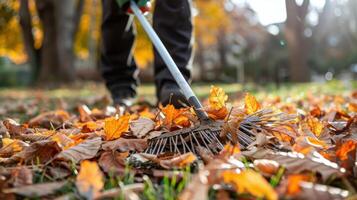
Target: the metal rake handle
(180, 80)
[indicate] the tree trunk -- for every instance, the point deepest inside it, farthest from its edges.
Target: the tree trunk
(26, 26)
(60, 20)
(297, 44)
(201, 60)
(222, 53)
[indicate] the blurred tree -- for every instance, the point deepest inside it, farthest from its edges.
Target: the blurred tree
(296, 40)
(54, 59)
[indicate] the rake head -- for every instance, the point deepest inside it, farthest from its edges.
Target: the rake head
(208, 134)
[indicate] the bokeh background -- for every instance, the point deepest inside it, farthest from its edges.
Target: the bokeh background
(49, 42)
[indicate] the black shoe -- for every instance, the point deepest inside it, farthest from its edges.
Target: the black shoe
(123, 98)
(170, 93)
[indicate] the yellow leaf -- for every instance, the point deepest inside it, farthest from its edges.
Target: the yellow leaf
(294, 181)
(315, 125)
(251, 182)
(89, 181)
(217, 98)
(251, 104)
(114, 126)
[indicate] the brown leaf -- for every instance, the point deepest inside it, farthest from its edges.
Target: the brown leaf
(197, 189)
(178, 161)
(84, 113)
(85, 150)
(36, 190)
(50, 119)
(21, 176)
(41, 151)
(14, 128)
(141, 127)
(89, 181)
(113, 161)
(297, 162)
(11, 147)
(124, 145)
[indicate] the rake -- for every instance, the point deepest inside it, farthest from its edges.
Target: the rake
(207, 133)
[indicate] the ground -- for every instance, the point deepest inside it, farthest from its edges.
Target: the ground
(301, 144)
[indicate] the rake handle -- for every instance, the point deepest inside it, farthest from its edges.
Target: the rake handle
(165, 55)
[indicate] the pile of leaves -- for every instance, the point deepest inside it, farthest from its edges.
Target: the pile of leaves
(300, 149)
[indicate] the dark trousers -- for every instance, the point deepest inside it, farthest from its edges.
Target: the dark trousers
(171, 21)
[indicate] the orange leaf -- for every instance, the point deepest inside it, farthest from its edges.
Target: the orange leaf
(352, 107)
(217, 98)
(217, 114)
(294, 181)
(175, 117)
(114, 127)
(345, 148)
(251, 182)
(315, 125)
(316, 142)
(89, 180)
(251, 104)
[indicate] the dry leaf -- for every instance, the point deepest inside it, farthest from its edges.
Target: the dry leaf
(267, 167)
(123, 145)
(217, 98)
(38, 152)
(251, 104)
(112, 161)
(315, 126)
(346, 147)
(249, 181)
(89, 181)
(11, 147)
(84, 113)
(141, 127)
(174, 117)
(180, 161)
(114, 127)
(21, 176)
(50, 120)
(85, 150)
(36, 190)
(294, 180)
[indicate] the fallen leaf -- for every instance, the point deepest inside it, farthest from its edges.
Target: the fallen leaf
(294, 180)
(89, 181)
(345, 148)
(85, 150)
(38, 152)
(267, 167)
(114, 127)
(174, 117)
(113, 162)
(180, 161)
(10, 147)
(251, 104)
(21, 176)
(124, 145)
(141, 127)
(36, 190)
(84, 113)
(249, 181)
(49, 120)
(217, 98)
(315, 126)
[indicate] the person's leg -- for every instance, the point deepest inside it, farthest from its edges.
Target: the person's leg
(117, 63)
(172, 22)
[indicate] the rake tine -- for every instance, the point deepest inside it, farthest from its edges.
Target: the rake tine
(185, 144)
(163, 146)
(194, 137)
(175, 144)
(153, 149)
(158, 146)
(217, 140)
(170, 144)
(192, 146)
(204, 142)
(212, 140)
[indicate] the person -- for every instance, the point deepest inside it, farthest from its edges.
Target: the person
(172, 22)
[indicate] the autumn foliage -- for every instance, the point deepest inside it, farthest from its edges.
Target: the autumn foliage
(294, 150)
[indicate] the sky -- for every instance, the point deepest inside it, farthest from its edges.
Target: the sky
(273, 11)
